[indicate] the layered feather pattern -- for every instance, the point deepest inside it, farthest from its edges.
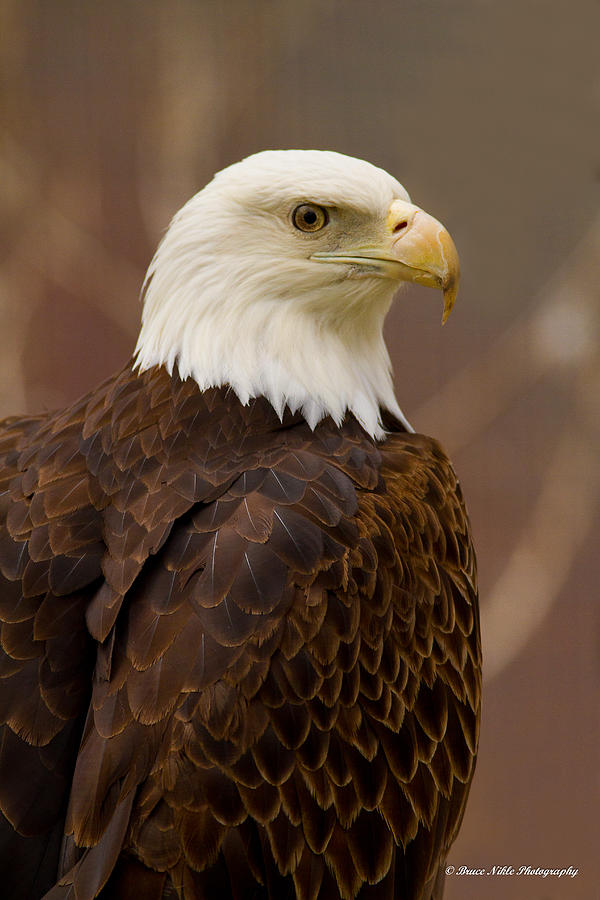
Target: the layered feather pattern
(240, 657)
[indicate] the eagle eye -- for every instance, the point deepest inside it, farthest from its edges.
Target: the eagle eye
(309, 217)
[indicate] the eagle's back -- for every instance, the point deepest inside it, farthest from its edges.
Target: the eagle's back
(235, 650)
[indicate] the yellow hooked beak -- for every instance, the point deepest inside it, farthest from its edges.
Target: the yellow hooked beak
(415, 247)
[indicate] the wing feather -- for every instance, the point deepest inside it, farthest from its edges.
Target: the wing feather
(270, 632)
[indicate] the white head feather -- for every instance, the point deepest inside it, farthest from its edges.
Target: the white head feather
(232, 296)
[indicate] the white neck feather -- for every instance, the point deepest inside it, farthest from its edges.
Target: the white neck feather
(279, 355)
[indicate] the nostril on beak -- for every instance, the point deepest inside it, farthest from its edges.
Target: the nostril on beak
(400, 226)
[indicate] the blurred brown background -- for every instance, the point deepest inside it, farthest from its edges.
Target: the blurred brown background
(113, 113)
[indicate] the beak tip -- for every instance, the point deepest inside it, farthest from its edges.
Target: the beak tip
(450, 292)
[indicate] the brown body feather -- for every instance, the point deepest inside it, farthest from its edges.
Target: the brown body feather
(240, 658)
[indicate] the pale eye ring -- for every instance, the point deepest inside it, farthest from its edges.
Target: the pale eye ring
(310, 217)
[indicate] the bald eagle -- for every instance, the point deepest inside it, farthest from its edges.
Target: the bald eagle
(240, 645)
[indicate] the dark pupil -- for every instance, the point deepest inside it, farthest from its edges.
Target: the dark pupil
(310, 217)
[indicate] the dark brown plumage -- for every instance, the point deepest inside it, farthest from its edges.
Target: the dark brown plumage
(240, 658)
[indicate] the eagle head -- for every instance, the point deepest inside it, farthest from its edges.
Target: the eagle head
(276, 278)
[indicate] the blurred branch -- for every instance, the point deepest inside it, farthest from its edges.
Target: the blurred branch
(557, 333)
(544, 552)
(58, 248)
